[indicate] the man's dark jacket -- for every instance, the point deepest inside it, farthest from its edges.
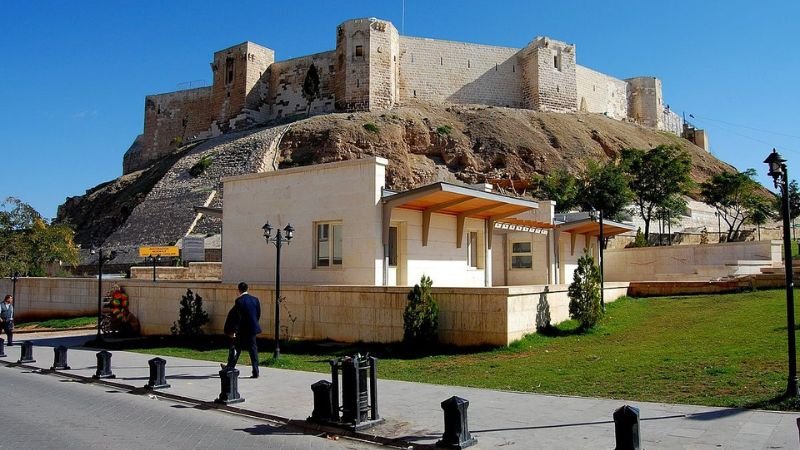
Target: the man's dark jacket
(249, 315)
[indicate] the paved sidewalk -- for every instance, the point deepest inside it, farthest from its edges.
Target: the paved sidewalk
(497, 419)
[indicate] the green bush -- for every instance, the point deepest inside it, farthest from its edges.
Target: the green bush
(371, 127)
(584, 293)
(191, 316)
(639, 241)
(201, 166)
(444, 130)
(421, 317)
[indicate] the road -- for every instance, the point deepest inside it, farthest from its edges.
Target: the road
(40, 411)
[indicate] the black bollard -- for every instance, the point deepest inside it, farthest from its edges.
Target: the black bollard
(229, 380)
(323, 402)
(103, 365)
(158, 379)
(456, 429)
(60, 358)
(2, 348)
(626, 428)
(26, 355)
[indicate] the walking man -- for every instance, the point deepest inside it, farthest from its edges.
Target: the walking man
(249, 313)
(7, 318)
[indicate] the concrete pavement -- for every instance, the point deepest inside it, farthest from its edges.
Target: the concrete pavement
(498, 419)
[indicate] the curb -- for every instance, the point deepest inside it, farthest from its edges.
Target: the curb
(301, 425)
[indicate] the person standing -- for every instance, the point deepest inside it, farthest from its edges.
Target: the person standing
(249, 313)
(7, 318)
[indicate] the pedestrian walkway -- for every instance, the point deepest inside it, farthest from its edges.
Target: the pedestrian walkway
(498, 419)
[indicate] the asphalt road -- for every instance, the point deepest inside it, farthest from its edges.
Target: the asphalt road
(39, 411)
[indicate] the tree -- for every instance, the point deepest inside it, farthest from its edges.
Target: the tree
(191, 316)
(28, 243)
(311, 86)
(735, 195)
(604, 188)
(657, 178)
(559, 186)
(421, 316)
(584, 293)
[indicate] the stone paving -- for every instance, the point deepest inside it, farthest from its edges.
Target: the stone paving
(508, 420)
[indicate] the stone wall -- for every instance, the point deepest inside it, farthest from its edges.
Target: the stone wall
(457, 72)
(548, 79)
(286, 78)
(237, 73)
(602, 94)
(468, 316)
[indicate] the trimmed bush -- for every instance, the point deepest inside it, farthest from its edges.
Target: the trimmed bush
(584, 293)
(421, 317)
(191, 316)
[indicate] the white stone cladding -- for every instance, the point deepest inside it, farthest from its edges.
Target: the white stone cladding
(600, 93)
(457, 72)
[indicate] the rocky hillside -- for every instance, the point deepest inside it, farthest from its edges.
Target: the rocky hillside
(423, 143)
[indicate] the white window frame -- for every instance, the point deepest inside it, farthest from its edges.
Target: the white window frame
(512, 254)
(475, 249)
(332, 238)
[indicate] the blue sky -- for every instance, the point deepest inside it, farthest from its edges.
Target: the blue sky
(74, 74)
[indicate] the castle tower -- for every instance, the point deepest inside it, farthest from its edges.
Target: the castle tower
(237, 73)
(548, 76)
(367, 70)
(645, 101)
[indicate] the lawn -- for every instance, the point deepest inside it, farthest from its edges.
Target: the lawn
(721, 350)
(74, 322)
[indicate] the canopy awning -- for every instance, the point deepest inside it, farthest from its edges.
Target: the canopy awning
(462, 202)
(591, 227)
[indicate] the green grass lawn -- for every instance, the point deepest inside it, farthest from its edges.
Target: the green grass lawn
(74, 322)
(722, 350)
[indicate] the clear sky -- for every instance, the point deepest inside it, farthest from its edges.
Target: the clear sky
(75, 73)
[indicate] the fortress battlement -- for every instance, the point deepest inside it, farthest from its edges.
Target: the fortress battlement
(372, 68)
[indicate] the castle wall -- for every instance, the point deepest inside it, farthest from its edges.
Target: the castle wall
(548, 78)
(445, 71)
(600, 93)
(644, 101)
(238, 72)
(169, 120)
(286, 78)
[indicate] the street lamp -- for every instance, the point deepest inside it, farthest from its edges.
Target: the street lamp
(719, 226)
(594, 214)
(778, 172)
(100, 260)
(154, 260)
(278, 240)
(14, 277)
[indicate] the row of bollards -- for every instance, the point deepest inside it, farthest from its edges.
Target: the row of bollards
(359, 397)
(156, 380)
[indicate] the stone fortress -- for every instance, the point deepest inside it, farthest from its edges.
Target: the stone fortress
(374, 68)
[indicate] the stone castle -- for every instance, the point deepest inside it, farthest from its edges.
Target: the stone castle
(374, 68)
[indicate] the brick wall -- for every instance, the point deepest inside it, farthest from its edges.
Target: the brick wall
(457, 72)
(600, 93)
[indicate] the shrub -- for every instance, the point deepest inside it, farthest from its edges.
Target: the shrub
(639, 241)
(584, 293)
(421, 317)
(191, 316)
(201, 166)
(444, 130)
(371, 127)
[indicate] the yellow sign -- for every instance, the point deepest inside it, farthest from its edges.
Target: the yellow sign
(159, 251)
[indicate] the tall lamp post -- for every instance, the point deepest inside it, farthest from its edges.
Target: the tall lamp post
(278, 240)
(595, 214)
(778, 172)
(101, 259)
(14, 277)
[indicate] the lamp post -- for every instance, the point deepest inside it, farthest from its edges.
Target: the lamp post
(101, 259)
(154, 260)
(719, 226)
(14, 277)
(278, 240)
(778, 172)
(599, 214)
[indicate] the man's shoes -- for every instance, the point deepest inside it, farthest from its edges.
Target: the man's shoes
(255, 375)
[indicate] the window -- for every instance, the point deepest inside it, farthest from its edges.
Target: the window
(521, 257)
(393, 246)
(557, 61)
(359, 50)
(329, 244)
(472, 249)
(228, 70)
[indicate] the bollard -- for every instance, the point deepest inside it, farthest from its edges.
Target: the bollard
(626, 428)
(355, 401)
(26, 355)
(323, 402)
(798, 425)
(456, 429)
(60, 358)
(158, 379)
(103, 365)
(229, 379)
(2, 348)
(335, 389)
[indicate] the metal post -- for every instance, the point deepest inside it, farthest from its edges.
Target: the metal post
(602, 244)
(278, 243)
(719, 227)
(791, 389)
(14, 289)
(99, 293)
